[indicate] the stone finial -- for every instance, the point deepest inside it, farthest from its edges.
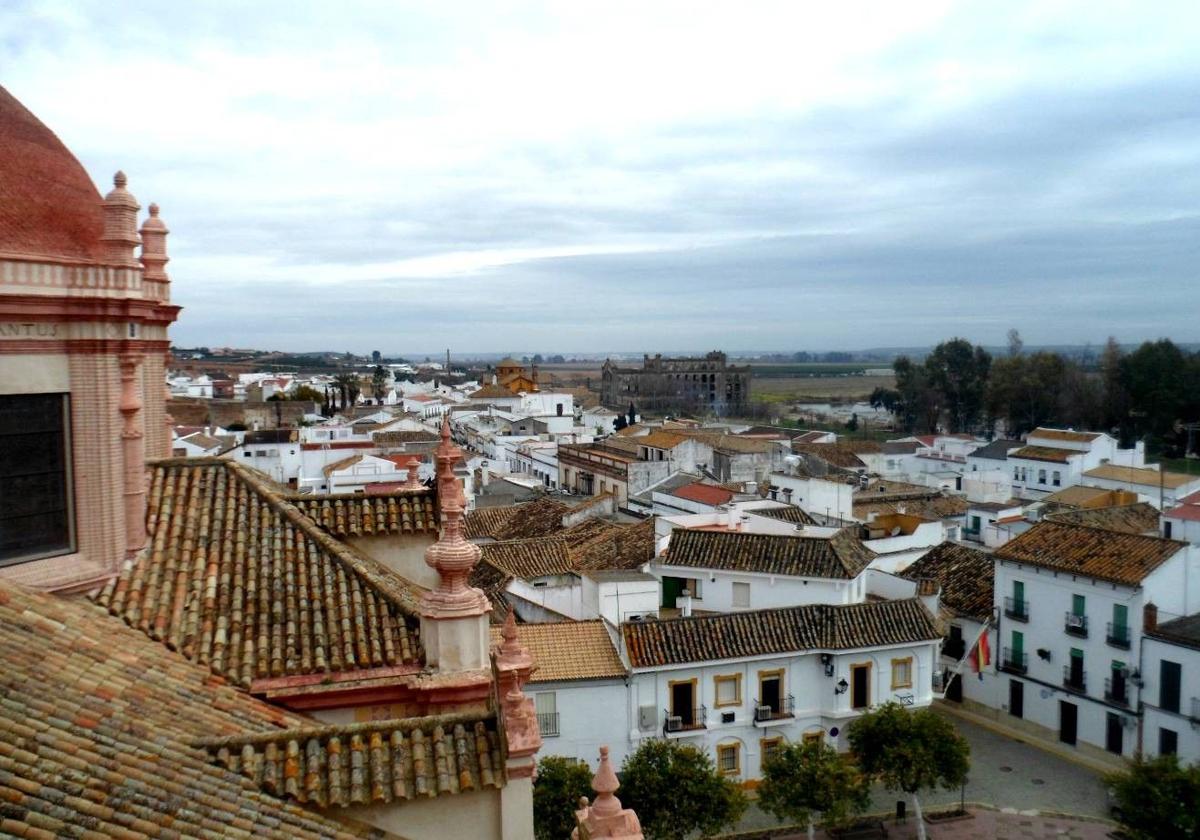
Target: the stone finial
(154, 256)
(452, 555)
(120, 222)
(413, 479)
(606, 817)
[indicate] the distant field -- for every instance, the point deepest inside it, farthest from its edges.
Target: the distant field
(811, 369)
(817, 388)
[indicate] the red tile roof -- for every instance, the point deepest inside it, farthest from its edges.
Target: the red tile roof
(49, 207)
(706, 494)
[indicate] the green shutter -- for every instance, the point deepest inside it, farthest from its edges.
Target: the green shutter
(1120, 619)
(1018, 643)
(1076, 653)
(1078, 605)
(1018, 590)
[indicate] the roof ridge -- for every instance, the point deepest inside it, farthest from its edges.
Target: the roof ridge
(339, 729)
(1049, 519)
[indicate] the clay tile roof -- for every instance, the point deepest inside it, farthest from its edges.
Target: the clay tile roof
(486, 522)
(381, 762)
(768, 632)
(569, 650)
(1077, 496)
(1189, 511)
(596, 544)
(237, 578)
(1105, 555)
(786, 513)
(1064, 435)
(833, 454)
(1141, 475)
(49, 206)
(204, 441)
(661, 440)
(344, 463)
(935, 507)
(1139, 518)
(1043, 453)
(541, 557)
(491, 391)
(966, 576)
(96, 729)
(842, 556)
(396, 511)
(538, 518)
(397, 438)
(703, 493)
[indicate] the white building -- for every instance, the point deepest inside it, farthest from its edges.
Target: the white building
(1052, 459)
(1182, 522)
(1170, 694)
(1162, 489)
(739, 686)
(1070, 601)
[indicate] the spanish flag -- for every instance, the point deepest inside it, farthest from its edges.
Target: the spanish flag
(983, 654)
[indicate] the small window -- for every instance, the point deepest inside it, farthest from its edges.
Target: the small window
(1056, 478)
(1041, 476)
(814, 737)
(1168, 741)
(729, 759)
(902, 673)
(769, 748)
(741, 596)
(728, 690)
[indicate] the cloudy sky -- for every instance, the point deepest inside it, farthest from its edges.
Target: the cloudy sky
(629, 176)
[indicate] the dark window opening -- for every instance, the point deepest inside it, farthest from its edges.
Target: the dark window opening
(35, 481)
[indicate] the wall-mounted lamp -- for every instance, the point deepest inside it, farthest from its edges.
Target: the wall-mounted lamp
(841, 687)
(1043, 653)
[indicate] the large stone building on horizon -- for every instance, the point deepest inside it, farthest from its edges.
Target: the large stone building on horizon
(694, 384)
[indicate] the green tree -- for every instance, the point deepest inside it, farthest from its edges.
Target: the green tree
(306, 393)
(910, 751)
(802, 780)
(677, 792)
(1158, 798)
(556, 791)
(958, 372)
(379, 378)
(852, 423)
(917, 404)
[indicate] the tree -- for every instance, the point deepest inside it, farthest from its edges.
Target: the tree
(556, 791)
(1158, 798)
(886, 398)
(632, 414)
(800, 780)
(305, 393)
(620, 423)
(852, 423)
(917, 405)
(958, 371)
(379, 378)
(677, 792)
(537, 358)
(910, 751)
(1015, 345)
(376, 356)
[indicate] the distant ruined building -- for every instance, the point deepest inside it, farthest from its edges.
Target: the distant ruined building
(700, 385)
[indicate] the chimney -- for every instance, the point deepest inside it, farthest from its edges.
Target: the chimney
(1149, 618)
(732, 518)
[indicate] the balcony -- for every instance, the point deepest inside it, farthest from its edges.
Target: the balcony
(781, 710)
(1016, 609)
(954, 648)
(1117, 635)
(685, 720)
(1015, 662)
(548, 724)
(1075, 625)
(1116, 690)
(1074, 679)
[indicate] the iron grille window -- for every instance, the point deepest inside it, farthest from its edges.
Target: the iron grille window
(35, 480)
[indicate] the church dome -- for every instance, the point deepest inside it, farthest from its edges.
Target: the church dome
(49, 207)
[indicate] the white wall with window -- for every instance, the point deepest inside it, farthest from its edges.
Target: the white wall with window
(1171, 697)
(577, 717)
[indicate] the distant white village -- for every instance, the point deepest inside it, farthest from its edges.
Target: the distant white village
(743, 586)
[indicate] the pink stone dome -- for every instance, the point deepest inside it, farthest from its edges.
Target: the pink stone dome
(49, 207)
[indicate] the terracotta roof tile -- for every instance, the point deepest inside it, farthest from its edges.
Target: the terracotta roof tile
(662, 440)
(355, 514)
(1043, 453)
(96, 727)
(1064, 435)
(1140, 518)
(1097, 553)
(367, 763)
(786, 513)
(542, 557)
(1143, 476)
(569, 650)
(703, 493)
(765, 632)
(842, 556)
(237, 578)
(966, 576)
(833, 454)
(598, 544)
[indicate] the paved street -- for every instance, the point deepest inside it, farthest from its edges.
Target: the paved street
(992, 825)
(1006, 774)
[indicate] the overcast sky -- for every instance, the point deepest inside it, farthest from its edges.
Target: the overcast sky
(612, 176)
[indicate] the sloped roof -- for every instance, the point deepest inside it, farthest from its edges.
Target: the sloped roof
(372, 763)
(997, 450)
(1078, 495)
(568, 650)
(599, 544)
(1043, 453)
(539, 518)
(542, 557)
(237, 578)
(785, 513)
(1067, 435)
(833, 454)
(1143, 476)
(966, 576)
(353, 514)
(96, 729)
(766, 632)
(1140, 518)
(842, 556)
(1095, 552)
(705, 494)
(662, 440)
